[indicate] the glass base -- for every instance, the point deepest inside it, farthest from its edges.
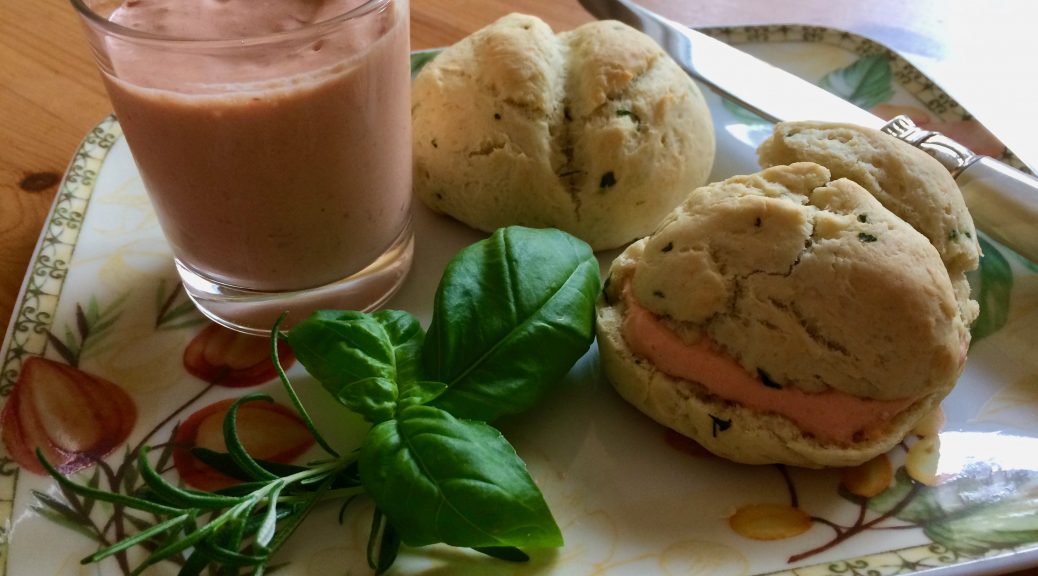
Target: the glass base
(255, 312)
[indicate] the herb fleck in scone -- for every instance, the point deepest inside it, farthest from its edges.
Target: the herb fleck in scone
(792, 317)
(595, 131)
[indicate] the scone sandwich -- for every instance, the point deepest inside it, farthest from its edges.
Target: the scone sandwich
(595, 131)
(789, 316)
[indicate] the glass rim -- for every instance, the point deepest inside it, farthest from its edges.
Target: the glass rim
(114, 29)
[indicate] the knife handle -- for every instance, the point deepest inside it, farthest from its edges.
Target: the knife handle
(1002, 200)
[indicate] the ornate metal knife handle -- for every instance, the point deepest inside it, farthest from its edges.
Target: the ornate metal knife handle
(1002, 200)
(952, 155)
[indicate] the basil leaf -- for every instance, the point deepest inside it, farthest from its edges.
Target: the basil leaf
(383, 544)
(420, 393)
(365, 360)
(441, 479)
(510, 554)
(512, 314)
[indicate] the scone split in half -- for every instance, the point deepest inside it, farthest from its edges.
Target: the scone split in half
(785, 317)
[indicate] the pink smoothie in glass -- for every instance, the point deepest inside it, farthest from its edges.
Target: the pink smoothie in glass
(275, 165)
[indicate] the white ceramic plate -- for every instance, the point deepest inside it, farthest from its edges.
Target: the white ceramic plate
(100, 302)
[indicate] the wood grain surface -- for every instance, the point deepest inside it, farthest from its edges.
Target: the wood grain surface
(982, 53)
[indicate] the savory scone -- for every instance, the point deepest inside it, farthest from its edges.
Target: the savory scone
(905, 179)
(783, 317)
(595, 131)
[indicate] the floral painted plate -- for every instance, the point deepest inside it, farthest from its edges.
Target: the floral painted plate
(104, 355)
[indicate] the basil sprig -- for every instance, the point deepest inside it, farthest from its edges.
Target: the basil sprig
(511, 316)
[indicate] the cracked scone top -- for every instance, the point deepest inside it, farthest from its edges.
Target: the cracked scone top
(813, 282)
(826, 306)
(595, 131)
(902, 177)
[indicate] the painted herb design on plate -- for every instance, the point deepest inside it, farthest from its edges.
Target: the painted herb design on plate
(864, 83)
(984, 509)
(970, 514)
(55, 402)
(511, 316)
(73, 417)
(175, 309)
(868, 82)
(93, 324)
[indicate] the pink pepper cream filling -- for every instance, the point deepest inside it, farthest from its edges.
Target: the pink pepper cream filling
(831, 415)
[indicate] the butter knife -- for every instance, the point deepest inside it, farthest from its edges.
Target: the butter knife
(1002, 200)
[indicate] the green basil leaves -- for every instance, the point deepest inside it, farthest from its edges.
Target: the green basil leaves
(453, 481)
(512, 314)
(369, 362)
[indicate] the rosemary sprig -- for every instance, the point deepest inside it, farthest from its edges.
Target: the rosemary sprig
(238, 530)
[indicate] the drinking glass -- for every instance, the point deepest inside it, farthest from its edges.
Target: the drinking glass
(278, 162)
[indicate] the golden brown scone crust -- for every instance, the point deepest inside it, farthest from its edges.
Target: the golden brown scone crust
(906, 180)
(594, 131)
(809, 280)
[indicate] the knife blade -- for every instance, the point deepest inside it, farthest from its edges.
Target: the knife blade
(1002, 200)
(733, 73)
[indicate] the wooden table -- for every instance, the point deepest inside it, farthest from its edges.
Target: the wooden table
(50, 93)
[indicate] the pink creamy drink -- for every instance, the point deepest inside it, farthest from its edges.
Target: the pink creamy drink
(273, 137)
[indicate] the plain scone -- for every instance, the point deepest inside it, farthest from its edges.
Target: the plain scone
(806, 278)
(595, 131)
